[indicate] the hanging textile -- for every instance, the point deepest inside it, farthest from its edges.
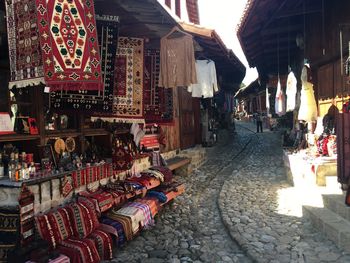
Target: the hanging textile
(267, 99)
(177, 63)
(291, 91)
(206, 80)
(308, 107)
(128, 82)
(68, 39)
(158, 101)
(26, 66)
(343, 148)
(90, 100)
(53, 42)
(280, 109)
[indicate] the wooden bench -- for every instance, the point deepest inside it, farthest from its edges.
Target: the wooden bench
(177, 162)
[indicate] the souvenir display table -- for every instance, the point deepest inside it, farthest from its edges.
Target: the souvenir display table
(307, 168)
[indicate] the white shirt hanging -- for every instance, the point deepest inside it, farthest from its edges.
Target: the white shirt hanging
(280, 108)
(207, 81)
(291, 91)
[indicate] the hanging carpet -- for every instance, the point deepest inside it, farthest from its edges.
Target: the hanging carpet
(158, 100)
(26, 65)
(68, 37)
(91, 100)
(53, 42)
(128, 82)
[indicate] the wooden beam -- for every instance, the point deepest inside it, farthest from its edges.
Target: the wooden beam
(282, 29)
(299, 13)
(272, 17)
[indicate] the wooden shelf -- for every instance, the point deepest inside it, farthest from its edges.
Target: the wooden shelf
(95, 132)
(63, 133)
(18, 137)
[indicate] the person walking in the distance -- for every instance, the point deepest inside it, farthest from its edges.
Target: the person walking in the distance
(259, 122)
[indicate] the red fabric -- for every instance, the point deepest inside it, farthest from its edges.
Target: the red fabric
(128, 84)
(103, 199)
(120, 74)
(122, 159)
(69, 44)
(150, 141)
(79, 178)
(103, 242)
(45, 230)
(60, 224)
(79, 250)
(83, 217)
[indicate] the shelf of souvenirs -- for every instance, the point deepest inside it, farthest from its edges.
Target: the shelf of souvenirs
(12, 137)
(62, 133)
(47, 175)
(95, 132)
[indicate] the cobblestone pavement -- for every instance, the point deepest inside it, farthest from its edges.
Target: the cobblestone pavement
(230, 212)
(191, 228)
(261, 219)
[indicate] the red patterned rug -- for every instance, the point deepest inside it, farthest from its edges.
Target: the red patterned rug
(96, 101)
(69, 44)
(24, 46)
(158, 101)
(128, 84)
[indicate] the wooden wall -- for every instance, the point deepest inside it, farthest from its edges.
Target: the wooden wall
(322, 48)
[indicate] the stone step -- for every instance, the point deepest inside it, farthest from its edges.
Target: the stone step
(336, 203)
(333, 226)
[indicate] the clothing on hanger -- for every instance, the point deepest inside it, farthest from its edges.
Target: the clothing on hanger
(207, 80)
(177, 62)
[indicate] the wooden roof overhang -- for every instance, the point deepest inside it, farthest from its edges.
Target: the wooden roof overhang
(268, 31)
(145, 19)
(226, 62)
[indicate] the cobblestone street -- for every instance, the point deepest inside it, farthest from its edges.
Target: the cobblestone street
(231, 212)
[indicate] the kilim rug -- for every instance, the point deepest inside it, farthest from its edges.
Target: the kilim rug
(128, 83)
(69, 44)
(24, 46)
(158, 100)
(91, 100)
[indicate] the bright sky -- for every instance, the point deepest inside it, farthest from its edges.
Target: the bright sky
(223, 16)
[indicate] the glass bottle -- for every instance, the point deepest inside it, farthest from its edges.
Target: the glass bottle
(18, 168)
(12, 167)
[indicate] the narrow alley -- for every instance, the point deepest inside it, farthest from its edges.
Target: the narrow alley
(230, 211)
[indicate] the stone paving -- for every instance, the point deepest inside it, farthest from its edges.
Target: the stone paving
(261, 219)
(231, 212)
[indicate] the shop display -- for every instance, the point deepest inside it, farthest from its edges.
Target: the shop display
(128, 104)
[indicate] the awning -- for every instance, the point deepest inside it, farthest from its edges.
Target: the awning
(268, 31)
